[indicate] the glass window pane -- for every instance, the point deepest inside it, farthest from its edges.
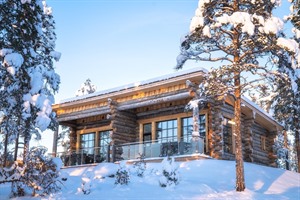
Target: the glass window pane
(187, 128)
(147, 128)
(168, 130)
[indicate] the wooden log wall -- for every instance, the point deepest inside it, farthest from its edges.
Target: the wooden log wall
(271, 154)
(215, 120)
(248, 139)
(160, 112)
(227, 112)
(124, 125)
(73, 139)
(259, 155)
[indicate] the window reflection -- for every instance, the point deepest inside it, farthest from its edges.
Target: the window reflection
(87, 142)
(166, 131)
(187, 129)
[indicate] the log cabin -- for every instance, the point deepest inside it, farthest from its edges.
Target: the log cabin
(149, 119)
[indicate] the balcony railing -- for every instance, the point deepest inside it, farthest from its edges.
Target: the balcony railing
(131, 151)
(85, 156)
(157, 149)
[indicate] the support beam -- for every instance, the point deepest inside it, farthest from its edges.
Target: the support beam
(55, 137)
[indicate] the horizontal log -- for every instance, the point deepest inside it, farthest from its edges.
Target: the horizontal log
(118, 115)
(124, 130)
(124, 139)
(116, 124)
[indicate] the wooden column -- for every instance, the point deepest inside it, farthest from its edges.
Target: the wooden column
(141, 136)
(77, 147)
(248, 139)
(153, 131)
(215, 138)
(73, 139)
(55, 137)
(179, 129)
(271, 154)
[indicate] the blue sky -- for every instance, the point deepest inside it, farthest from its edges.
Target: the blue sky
(117, 42)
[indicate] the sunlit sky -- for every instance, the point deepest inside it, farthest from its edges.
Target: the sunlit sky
(116, 42)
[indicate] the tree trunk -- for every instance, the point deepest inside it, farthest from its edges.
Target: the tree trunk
(240, 179)
(298, 148)
(27, 137)
(5, 149)
(16, 147)
(54, 145)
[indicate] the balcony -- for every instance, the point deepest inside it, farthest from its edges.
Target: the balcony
(154, 149)
(131, 151)
(85, 156)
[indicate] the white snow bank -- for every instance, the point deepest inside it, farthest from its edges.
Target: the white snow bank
(201, 179)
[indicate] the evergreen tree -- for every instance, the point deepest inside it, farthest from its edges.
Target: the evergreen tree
(284, 97)
(170, 175)
(28, 79)
(86, 88)
(281, 151)
(242, 38)
(296, 14)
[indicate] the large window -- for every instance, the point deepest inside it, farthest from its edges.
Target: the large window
(87, 142)
(227, 138)
(187, 129)
(104, 138)
(166, 131)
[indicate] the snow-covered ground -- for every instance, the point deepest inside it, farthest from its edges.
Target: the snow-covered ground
(201, 179)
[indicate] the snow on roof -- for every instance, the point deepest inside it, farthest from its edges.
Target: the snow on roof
(257, 107)
(135, 84)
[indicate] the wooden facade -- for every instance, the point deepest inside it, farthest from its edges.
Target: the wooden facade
(154, 110)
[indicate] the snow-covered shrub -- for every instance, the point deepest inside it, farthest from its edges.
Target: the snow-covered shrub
(40, 174)
(18, 189)
(86, 183)
(140, 166)
(170, 175)
(122, 175)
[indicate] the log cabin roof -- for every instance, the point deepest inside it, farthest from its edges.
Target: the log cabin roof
(136, 85)
(136, 95)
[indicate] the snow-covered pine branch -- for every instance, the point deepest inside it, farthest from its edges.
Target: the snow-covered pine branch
(86, 88)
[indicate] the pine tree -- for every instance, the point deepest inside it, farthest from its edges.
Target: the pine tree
(281, 151)
(296, 14)
(285, 99)
(86, 88)
(242, 38)
(28, 79)
(170, 175)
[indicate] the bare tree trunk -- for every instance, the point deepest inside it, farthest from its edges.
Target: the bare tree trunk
(54, 145)
(298, 148)
(240, 179)
(5, 150)
(27, 137)
(16, 147)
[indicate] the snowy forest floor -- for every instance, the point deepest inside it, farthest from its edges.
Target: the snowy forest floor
(200, 179)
